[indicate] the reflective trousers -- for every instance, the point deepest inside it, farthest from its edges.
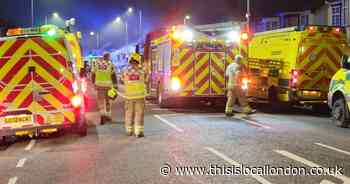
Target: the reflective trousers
(233, 95)
(103, 102)
(134, 116)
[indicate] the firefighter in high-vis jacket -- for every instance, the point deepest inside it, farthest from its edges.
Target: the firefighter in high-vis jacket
(135, 92)
(104, 78)
(236, 87)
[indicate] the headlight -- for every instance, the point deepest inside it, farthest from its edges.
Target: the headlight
(175, 84)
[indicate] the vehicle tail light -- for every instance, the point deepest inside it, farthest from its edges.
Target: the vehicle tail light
(312, 28)
(83, 85)
(245, 82)
(77, 101)
(295, 75)
(75, 87)
(337, 30)
(175, 83)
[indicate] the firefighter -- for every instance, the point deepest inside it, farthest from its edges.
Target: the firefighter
(234, 72)
(104, 78)
(135, 92)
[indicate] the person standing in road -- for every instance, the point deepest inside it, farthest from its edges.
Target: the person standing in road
(104, 78)
(234, 72)
(135, 93)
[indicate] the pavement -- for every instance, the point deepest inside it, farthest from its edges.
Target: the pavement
(180, 140)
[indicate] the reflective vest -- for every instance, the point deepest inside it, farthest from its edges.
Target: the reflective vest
(103, 73)
(134, 80)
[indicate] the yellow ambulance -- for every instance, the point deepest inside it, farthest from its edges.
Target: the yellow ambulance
(294, 65)
(40, 87)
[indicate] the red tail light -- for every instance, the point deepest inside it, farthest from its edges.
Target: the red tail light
(295, 75)
(77, 101)
(75, 87)
(83, 85)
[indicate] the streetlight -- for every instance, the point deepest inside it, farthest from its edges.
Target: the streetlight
(187, 17)
(119, 20)
(55, 15)
(129, 12)
(97, 38)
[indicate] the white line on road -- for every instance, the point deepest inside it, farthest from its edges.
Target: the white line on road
(227, 159)
(253, 122)
(333, 148)
(159, 109)
(13, 180)
(21, 162)
(297, 158)
(30, 145)
(326, 182)
(169, 123)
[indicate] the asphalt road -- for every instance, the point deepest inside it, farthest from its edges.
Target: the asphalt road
(196, 136)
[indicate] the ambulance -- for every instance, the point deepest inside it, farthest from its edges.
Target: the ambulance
(41, 91)
(294, 65)
(188, 62)
(338, 96)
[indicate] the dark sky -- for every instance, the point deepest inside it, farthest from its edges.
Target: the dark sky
(96, 14)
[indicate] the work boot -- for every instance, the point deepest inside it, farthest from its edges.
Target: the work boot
(140, 135)
(102, 120)
(229, 114)
(129, 134)
(253, 111)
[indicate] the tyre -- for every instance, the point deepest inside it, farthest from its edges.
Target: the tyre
(340, 113)
(320, 108)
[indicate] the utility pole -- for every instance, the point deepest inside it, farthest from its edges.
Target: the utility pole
(32, 12)
(140, 25)
(248, 15)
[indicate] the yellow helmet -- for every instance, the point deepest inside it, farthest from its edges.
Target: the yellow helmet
(135, 57)
(112, 93)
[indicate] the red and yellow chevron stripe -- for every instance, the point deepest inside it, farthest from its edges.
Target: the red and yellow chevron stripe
(217, 71)
(202, 77)
(19, 86)
(318, 63)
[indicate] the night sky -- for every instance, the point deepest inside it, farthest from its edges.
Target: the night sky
(95, 15)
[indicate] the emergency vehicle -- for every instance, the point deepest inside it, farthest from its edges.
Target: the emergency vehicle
(188, 62)
(338, 98)
(40, 87)
(294, 65)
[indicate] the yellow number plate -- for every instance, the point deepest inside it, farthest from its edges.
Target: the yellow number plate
(19, 119)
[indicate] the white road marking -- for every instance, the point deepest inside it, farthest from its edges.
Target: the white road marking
(297, 158)
(30, 145)
(252, 122)
(333, 148)
(326, 182)
(21, 162)
(229, 160)
(169, 123)
(173, 114)
(13, 180)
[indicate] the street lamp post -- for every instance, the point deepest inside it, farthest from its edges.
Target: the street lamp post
(32, 12)
(97, 38)
(248, 15)
(187, 17)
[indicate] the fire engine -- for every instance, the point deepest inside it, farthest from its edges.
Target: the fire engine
(294, 65)
(40, 87)
(189, 62)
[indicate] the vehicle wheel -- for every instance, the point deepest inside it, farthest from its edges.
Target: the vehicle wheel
(320, 108)
(340, 113)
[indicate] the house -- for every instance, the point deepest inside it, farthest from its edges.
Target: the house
(331, 13)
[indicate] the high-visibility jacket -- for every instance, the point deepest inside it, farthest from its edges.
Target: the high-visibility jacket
(134, 80)
(235, 73)
(103, 70)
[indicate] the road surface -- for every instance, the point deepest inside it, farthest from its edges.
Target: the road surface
(193, 137)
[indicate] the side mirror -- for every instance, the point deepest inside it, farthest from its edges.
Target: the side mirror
(345, 62)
